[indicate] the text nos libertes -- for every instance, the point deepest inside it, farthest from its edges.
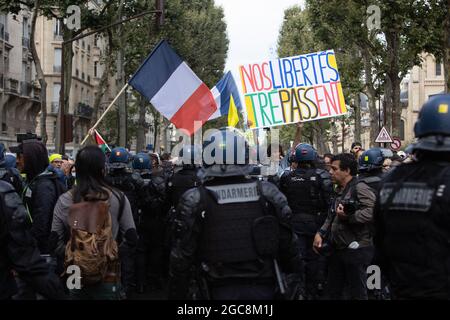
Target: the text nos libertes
(287, 90)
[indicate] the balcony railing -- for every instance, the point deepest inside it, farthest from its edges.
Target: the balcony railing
(84, 110)
(54, 107)
(57, 37)
(12, 85)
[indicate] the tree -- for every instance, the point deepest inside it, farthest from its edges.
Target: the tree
(436, 22)
(40, 73)
(195, 29)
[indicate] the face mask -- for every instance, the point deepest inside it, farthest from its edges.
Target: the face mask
(74, 174)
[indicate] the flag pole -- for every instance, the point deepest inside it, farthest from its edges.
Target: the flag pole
(104, 113)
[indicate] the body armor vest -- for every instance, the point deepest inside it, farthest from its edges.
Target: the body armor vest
(372, 181)
(181, 182)
(231, 211)
(303, 192)
(414, 206)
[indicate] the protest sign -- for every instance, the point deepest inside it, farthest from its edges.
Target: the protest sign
(294, 89)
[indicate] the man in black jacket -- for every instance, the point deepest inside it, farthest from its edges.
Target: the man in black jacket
(18, 250)
(349, 225)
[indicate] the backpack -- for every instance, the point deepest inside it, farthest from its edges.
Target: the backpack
(91, 245)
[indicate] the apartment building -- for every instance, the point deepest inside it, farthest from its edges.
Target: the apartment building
(19, 91)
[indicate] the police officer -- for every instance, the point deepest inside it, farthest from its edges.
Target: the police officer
(18, 250)
(150, 212)
(412, 212)
(308, 191)
(371, 167)
(123, 178)
(131, 184)
(185, 177)
(9, 174)
(233, 233)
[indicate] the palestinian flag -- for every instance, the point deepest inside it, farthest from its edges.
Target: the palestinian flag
(100, 142)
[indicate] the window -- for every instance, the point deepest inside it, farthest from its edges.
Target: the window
(438, 69)
(6, 61)
(25, 32)
(57, 60)
(24, 70)
(402, 129)
(55, 99)
(56, 90)
(95, 68)
(54, 131)
(57, 29)
(3, 28)
(82, 44)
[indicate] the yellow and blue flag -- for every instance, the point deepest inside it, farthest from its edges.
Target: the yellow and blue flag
(227, 98)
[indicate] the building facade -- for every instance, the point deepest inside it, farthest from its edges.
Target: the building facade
(422, 82)
(19, 90)
(87, 69)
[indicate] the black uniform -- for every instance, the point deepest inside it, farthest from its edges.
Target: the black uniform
(152, 205)
(413, 230)
(13, 177)
(131, 184)
(181, 181)
(18, 250)
(308, 191)
(229, 231)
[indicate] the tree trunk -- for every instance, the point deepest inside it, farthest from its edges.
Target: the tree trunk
(121, 81)
(40, 74)
(156, 129)
(343, 135)
(371, 97)
(322, 147)
(393, 106)
(446, 48)
(357, 118)
(104, 80)
(387, 111)
(142, 125)
(396, 108)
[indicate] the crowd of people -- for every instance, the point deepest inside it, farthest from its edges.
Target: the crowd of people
(131, 225)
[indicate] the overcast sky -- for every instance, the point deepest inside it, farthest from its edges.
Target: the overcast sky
(252, 27)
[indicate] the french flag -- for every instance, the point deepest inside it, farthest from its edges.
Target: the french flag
(173, 88)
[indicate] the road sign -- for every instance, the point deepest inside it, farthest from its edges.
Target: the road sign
(396, 144)
(383, 136)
